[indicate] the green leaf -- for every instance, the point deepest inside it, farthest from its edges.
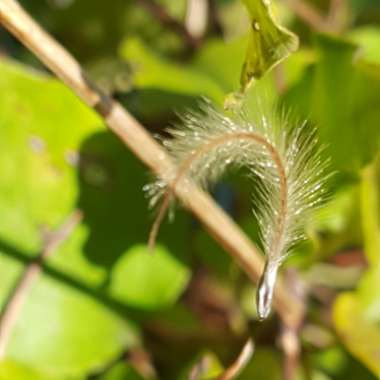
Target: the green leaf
(269, 43)
(41, 125)
(207, 60)
(11, 370)
(210, 363)
(357, 314)
(155, 72)
(163, 85)
(360, 334)
(148, 280)
(368, 38)
(337, 93)
(57, 329)
(370, 211)
(264, 365)
(42, 129)
(121, 371)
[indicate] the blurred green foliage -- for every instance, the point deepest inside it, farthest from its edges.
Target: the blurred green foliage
(103, 308)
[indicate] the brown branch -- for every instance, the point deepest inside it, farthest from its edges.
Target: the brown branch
(16, 300)
(168, 21)
(337, 17)
(128, 129)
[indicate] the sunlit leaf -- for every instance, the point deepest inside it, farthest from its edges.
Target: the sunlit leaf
(337, 93)
(12, 370)
(368, 38)
(149, 281)
(370, 209)
(57, 329)
(155, 72)
(359, 333)
(42, 128)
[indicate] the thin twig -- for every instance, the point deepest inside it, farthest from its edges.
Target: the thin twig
(199, 368)
(133, 134)
(240, 363)
(141, 361)
(336, 19)
(168, 21)
(16, 300)
(232, 371)
(289, 338)
(291, 349)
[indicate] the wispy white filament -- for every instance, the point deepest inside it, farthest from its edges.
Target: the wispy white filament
(284, 159)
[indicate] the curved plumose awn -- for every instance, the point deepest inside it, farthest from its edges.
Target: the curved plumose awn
(282, 155)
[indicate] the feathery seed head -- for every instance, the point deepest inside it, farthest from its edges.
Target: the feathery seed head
(284, 159)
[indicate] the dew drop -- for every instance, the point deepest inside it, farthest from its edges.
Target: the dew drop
(264, 295)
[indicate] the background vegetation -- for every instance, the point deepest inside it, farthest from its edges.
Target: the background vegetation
(103, 308)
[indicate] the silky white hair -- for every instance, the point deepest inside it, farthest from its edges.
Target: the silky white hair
(282, 154)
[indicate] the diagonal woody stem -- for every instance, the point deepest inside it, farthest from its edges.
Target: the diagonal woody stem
(131, 132)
